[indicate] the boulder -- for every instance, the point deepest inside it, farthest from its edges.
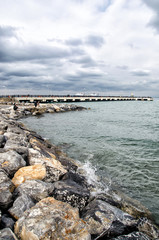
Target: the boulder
(17, 147)
(125, 203)
(131, 236)
(36, 189)
(105, 219)
(6, 189)
(57, 220)
(29, 173)
(54, 169)
(72, 193)
(25, 202)
(14, 128)
(7, 234)
(17, 137)
(11, 161)
(7, 222)
(41, 146)
(146, 226)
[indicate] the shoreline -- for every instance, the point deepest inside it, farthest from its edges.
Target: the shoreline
(40, 176)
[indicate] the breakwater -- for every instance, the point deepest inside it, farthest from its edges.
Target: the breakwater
(56, 200)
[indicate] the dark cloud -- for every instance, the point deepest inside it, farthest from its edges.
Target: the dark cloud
(91, 40)
(154, 5)
(30, 52)
(74, 42)
(95, 41)
(7, 32)
(80, 76)
(20, 74)
(84, 61)
(140, 73)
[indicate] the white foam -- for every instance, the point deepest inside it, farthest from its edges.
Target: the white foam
(92, 179)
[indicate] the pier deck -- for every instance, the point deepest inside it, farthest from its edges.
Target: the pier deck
(55, 99)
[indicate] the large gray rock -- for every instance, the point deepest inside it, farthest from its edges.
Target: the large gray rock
(6, 189)
(11, 161)
(36, 189)
(7, 234)
(72, 193)
(51, 219)
(7, 222)
(103, 218)
(17, 137)
(20, 205)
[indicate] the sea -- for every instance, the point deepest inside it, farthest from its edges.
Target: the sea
(115, 140)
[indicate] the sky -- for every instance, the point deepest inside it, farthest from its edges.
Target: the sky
(107, 47)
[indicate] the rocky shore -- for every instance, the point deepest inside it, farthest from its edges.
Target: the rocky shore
(45, 195)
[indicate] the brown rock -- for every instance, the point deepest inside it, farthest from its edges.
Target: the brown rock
(29, 173)
(51, 219)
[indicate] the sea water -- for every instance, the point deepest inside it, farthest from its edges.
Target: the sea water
(118, 140)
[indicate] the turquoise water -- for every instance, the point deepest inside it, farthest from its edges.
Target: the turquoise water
(119, 139)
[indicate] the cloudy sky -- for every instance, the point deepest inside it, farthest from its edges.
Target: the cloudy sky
(110, 47)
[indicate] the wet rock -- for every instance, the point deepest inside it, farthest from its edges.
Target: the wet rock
(11, 161)
(125, 203)
(36, 189)
(7, 222)
(6, 189)
(72, 193)
(103, 218)
(131, 236)
(54, 169)
(7, 234)
(29, 173)
(67, 162)
(57, 220)
(20, 205)
(146, 226)
(76, 177)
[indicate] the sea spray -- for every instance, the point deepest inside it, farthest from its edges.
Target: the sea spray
(93, 179)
